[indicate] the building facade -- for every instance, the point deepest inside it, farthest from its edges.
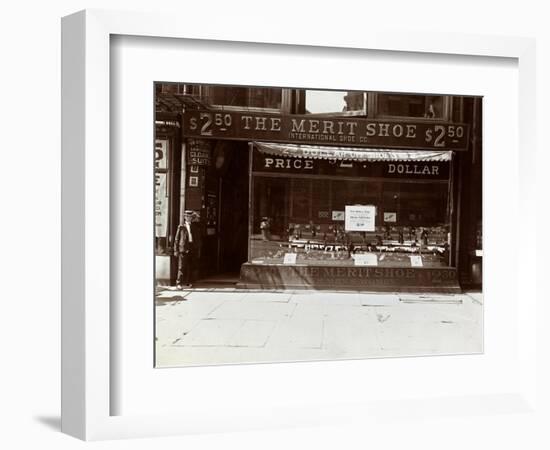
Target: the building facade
(297, 188)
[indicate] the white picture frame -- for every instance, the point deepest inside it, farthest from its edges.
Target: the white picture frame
(89, 322)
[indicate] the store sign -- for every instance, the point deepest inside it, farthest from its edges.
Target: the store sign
(305, 129)
(417, 169)
(161, 188)
(161, 205)
(199, 152)
(360, 217)
(357, 277)
(432, 170)
(161, 153)
(339, 215)
(287, 163)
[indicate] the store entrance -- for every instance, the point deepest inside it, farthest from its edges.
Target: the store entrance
(228, 178)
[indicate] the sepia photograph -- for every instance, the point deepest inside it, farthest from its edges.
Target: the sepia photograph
(300, 224)
(277, 226)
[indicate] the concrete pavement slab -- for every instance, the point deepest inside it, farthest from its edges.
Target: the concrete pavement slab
(287, 354)
(211, 333)
(308, 299)
(243, 310)
(476, 296)
(170, 331)
(325, 298)
(297, 333)
(195, 309)
(428, 338)
(321, 311)
(252, 333)
(350, 338)
(314, 311)
(378, 299)
(431, 298)
(279, 297)
(344, 299)
(214, 296)
(177, 356)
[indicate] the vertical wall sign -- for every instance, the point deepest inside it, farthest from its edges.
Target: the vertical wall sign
(161, 187)
(199, 152)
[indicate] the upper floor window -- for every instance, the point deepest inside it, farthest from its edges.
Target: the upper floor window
(247, 97)
(174, 88)
(422, 106)
(335, 102)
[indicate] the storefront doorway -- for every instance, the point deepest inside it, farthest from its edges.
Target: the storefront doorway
(226, 242)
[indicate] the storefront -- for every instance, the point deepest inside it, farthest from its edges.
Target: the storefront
(297, 188)
(291, 201)
(327, 215)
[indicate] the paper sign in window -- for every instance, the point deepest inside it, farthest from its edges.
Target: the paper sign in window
(366, 259)
(360, 217)
(290, 258)
(416, 261)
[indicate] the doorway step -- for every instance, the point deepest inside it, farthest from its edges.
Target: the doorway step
(219, 280)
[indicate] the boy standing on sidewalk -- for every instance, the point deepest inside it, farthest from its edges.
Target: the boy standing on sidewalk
(183, 249)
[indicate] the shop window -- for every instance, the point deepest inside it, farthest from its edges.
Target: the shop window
(300, 199)
(307, 216)
(421, 106)
(320, 201)
(335, 102)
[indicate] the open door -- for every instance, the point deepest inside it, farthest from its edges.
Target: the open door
(226, 240)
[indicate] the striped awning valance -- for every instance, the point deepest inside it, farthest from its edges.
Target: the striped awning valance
(350, 154)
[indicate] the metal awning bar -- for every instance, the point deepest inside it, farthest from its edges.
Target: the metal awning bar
(350, 154)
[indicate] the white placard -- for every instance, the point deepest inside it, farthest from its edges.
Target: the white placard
(366, 259)
(416, 261)
(290, 258)
(161, 205)
(161, 153)
(390, 217)
(338, 215)
(360, 217)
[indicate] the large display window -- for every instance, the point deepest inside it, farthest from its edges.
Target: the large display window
(388, 208)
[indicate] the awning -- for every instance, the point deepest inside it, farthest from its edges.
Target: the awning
(350, 154)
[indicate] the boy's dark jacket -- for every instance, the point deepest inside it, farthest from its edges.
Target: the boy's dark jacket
(182, 244)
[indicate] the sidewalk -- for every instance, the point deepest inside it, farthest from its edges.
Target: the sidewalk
(226, 325)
